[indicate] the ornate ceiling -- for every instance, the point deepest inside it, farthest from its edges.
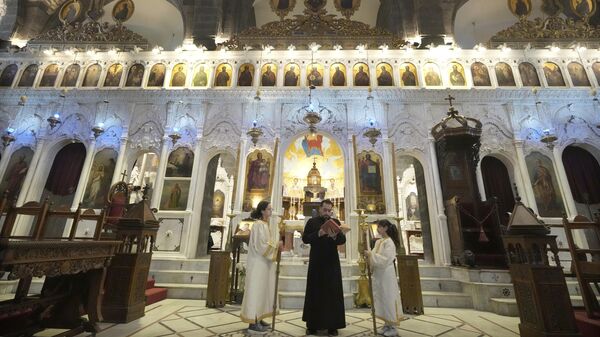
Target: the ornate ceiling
(167, 23)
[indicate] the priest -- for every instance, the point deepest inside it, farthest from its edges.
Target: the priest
(324, 301)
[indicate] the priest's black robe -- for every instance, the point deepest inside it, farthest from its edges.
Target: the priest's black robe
(324, 300)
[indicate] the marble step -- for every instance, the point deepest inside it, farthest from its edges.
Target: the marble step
(179, 276)
(440, 284)
(180, 264)
(444, 299)
(434, 271)
(298, 284)
(508, 306)
(295, 300)
(184, 291)
(480, 275)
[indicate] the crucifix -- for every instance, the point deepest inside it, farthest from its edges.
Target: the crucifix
(123, 175)
(450, 99)
(451, 111)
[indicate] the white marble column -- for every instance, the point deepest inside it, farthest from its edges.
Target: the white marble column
(160, 173)
(31, 171)
(196, 197)
(439, 232)
(351, 203)
(389, 178)
(526, 192)
(85, 173)
(277, 193)
(239, 198)
(120, 161)
(563, 184)
(480, 184)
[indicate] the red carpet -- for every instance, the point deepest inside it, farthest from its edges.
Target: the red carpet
(588, 327)
(153, 294)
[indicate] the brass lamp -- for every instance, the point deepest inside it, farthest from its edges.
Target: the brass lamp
(175, 136)
(98, 130)
(255, 132)
(548, 138)
(8, 137)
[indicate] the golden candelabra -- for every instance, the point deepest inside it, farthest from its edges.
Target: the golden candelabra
(362, 298)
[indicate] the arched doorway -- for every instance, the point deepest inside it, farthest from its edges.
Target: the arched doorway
(497, 184)
(217, 200)
(413, 207)
(62, 183)
(313, 170)
(583, 174)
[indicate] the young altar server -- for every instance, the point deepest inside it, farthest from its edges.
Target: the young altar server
(386, 294)
(260, 271)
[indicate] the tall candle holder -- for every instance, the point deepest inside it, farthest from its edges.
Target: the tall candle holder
(231, 216)
(363, 297)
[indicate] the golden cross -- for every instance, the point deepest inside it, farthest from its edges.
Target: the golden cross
(450, 99)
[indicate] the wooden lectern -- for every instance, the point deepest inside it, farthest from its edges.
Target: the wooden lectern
(124, 298)
(540, 289)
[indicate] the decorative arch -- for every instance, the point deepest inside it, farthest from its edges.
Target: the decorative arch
(28, 76)
(8, 75)
(554, 76)
(71, 75)
(157, 75)
(50, 75)
(498, 184)
(92, 75)
(504, 75)
(578, 75)
(529, 75)
(135, 75)
(583, 174)
(481, 75)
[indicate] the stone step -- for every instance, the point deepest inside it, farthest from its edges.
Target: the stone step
(298, 284)
(8, 287)
(440, 284)
(184, 291)
(295, 300)
(434, 271)
(180, 264)
(480, 275)
(443, 299)
(179, 276)
(508, 306)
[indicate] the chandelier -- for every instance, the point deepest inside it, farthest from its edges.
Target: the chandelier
(255, 132)
(312, 116)
(372, 132)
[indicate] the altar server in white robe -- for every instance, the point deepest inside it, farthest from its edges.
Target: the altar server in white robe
(260, 271)
(386, 294)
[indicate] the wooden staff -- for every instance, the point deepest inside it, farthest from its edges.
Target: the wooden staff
(276, 286)
(368, 262)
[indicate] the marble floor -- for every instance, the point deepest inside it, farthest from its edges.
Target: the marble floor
(191, 318)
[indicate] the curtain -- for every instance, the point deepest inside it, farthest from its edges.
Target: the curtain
(66, 169)
(583, 174)
(496, 182)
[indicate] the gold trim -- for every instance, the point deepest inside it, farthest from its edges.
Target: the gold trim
(514, 11)
(347, 13)
(282, 13)
(585, 17)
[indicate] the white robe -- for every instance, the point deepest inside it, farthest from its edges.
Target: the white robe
(386, 293)
(260, 273)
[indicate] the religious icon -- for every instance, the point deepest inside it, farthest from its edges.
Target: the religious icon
(347, 7)
(218, 204)
(259, 171)
(201, 77)
(520, 8)
(180, 163)
(92, 76)
(361, 75)
(312, 145)
(28, 76)
(432, 75)
(291, 75)
(544, 183)
(71, 75)
(16, 171)
(315, 75)
(315, 5)
(282, 7)
(595, 68)
(123, 10)
(583, 8)
(408, 75)
(223, 76)
(113, 75)
(384, 75)
(179, 75)
(412, 207)
(49, 77)
(101, 175)
(481, 75)
(369, 173)
(246, 75)
(157, 75)
(578, 75)
(553, 75)
(504, 74)
(8, 75)
(457, 75)
(69, 12)
(135, 75)
(338, 75)
(175, 195)
(269, 77)
(529, 75)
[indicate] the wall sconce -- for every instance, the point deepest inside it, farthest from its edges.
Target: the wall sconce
(548, 139)
(175, 136)
(8, 137)
(255, 132)
(98, 130)
(54, 120)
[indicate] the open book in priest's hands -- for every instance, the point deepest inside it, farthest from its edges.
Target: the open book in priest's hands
(332, 228)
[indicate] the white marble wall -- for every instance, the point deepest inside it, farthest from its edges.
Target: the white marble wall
(215, 120)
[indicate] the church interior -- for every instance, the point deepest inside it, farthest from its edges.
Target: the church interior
(138, 136)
